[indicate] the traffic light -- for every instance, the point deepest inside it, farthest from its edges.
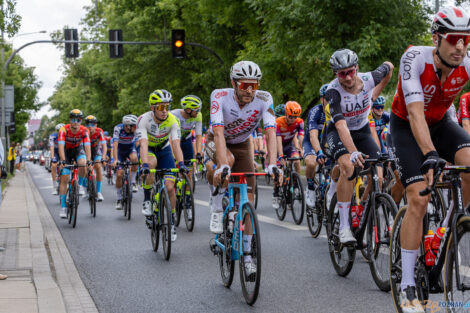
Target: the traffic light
(177, 43)
(115, 50)
(71, 49)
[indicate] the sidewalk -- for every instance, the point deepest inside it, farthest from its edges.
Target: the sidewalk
(42, 276)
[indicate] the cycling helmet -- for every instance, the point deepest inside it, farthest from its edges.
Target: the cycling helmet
(293, 108)
(90, 119)
(380, 101)
(106, 133)
(129, 119)
(191, 102)
(451, 19)
(245, 70)
(280, 110)
(323, 90)
(160, 96)
(76, 113)
(59, 126)
(343, 58)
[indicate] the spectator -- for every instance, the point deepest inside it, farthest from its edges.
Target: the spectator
(24, 155)
(12, 157)
(18, 156)
(2, 157)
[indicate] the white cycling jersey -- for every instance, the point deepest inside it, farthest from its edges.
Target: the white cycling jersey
(158, 135)
(188, 124)
(238, 122)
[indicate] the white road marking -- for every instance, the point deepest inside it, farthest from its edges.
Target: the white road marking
(265, 187)
(200, 202)
(46, 187)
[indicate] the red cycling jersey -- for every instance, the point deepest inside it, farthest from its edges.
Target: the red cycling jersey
(464, 107)
(288, 131)
(418, 81)
(72, 140)
(97, 137)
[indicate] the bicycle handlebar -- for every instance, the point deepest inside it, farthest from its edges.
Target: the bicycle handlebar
(224, 175)
(357, 170)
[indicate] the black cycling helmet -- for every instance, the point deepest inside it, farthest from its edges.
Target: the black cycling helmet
(90, 119)
(76, 113)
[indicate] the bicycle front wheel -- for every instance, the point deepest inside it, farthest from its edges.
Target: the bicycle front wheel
(395, 266)
(129, 200)
(226, 264)
(297, 199)
(154, 230)
(250, 274)
(255, 194)
(451, 290)
(75, 203)
(165, 223)
(188, 204)
(282, 210)
(92, 195)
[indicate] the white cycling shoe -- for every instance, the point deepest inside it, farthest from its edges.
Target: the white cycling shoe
(134, 188)
(99, 196)
(412, 304)
(147, 208)
(216, 222)
(173, 233)
(250, 268)
(346, 236)
(63, 212)
(276, 201)
(310, 200)
(82, 191)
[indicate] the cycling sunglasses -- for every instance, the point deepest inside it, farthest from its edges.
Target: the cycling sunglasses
(75, 120)
(345, 74)
(379, 107)
(91, 124)
(162, 107)
(245, 86)
(454, 38)
(292, 117)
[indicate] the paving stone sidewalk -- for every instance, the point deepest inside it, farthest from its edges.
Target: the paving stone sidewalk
(42, 276)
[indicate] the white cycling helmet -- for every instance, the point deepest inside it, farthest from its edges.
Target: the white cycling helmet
(59, 126)
(245, 70)
(451, 19)
(129, 119)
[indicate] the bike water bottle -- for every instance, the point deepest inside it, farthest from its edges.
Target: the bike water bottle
(355, 220)
(429, 255)
(436, 240)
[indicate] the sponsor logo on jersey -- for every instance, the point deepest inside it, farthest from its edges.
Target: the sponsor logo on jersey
(365, 78)
(233, 112)
(429, 91)
(407, 59)
(220, 94)
(413, 93)
(262, 95)
(214, 107)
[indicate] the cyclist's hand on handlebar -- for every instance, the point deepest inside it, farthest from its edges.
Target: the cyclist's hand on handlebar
(198, 157)
(218, 174)
(145, 169)
(358, 159)
(182, 167)
(275, 172)
(430, 165)
(321, 158)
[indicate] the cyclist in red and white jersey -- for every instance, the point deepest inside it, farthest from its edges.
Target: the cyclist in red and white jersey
(422, 132)
(464, 112)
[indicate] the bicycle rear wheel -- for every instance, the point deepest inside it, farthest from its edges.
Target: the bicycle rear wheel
(255, 194)
(341, 256)
(395, 260)
(250, 283)
(451, 291)
(297, 199)
(282, 210)
(75, 203)
(70, 204)
(165, 223)
(378, 239)
(314, 215)
(188, 204)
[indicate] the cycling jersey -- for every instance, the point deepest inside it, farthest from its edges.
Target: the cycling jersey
(187, 125)
(379, 124)
(123, 137)
(238, 122)
(354, 109)
(257, 133)
(71, 140)
(97, 138)
(464, 111)
(288, 131)
(54, 140)
(158, 135)
(453, 114)
(418, 81)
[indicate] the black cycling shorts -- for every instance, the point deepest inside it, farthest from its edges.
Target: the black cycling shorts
(362, 139)
(74, 154)
(447, 136)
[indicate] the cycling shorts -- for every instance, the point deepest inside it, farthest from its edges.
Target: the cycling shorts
(96, 153)
(362, 139)
(164, 158)
(307, 147)
(56, 158)
(242, 153)
(447, 136)
(124, 151)
(391, 151)
(74, 154)
(289, 150)
(187, 148)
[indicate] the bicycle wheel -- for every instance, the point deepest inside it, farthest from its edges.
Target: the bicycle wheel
(282, 210)
(341, 256)
(255, 194)
(378, 239)
(297, 199)
(92, 195)
(193, 182)
(436, 210)
(451, 292)
(250, 283)
(165, 223)
(314, 215)
(188, 204)
(70, 204)
(226, 264)
(129, 200)
(124, 194)
(154, 230)
(179, 202)
(395, 260)
(75, 203)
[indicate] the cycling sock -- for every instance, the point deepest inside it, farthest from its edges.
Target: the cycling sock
(63, 201)
(310, 184)
(133, 174)
(146, 194)
(98, 186)
(408, 261)
(211, 188)
(119, 193)
(54, 184)
(343, 214)
(218, 201)
(247, 243)
(332, 189)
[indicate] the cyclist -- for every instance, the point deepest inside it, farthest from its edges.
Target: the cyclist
(311, 144)
(379, 119)
(159, 134)
(98, 149)
(280, 110)
(123, 149)
(349, 98)
(287, 128)
(74, 145)
(464, 112)
(430, 79)
(54, 148)
(235, 113)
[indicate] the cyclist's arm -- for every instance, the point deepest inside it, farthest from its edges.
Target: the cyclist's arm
(175, 146)
(299, 146)
(51, 148)
(61, 146)
(466, 124)
(115, 151)
(198, 143)
(279, 145)
(144, 149)
(220, 145)
(373, 131)
(419, 127)
(104, 149)
(271, 144)
(381, 77)
(314, 140)
(88, 152)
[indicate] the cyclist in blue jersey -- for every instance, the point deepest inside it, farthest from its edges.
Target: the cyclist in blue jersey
(380, 119)
(54, 148)
(313, 154)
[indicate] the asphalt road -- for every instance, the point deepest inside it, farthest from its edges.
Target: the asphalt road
(117, 264)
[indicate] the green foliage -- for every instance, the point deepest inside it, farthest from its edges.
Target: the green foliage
(292, 42)
(9, 21)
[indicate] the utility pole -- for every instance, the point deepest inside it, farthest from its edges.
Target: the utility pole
(2, 94)
(437, 6)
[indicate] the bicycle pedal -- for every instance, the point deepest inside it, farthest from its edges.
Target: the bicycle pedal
(213, 246)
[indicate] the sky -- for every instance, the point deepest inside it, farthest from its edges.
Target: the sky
(48, 15)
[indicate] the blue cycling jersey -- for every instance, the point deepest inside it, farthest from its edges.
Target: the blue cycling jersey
(315, 120)
(381, 123)
(123, 137)
(54, 140)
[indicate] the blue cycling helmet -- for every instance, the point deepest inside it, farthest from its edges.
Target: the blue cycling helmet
(323, 90)
(106, 133)
(280, 110)
(380, 101)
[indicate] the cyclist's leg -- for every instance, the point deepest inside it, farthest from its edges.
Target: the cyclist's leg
(188, 154)
(310, 163)
(134, 159)
(82, 171)
(462, 157)
(99, 172)
(398, 190)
